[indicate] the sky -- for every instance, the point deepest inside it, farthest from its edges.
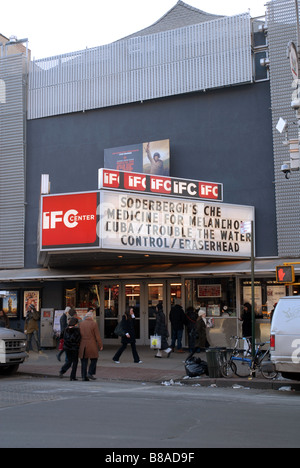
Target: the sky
(71, 25)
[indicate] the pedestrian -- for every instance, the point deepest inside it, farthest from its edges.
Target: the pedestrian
(128, 320)
(178, 320)
(272, 311)
(191, 316)
(162, 331)
(201, 342)
(200, 334)
(72, 312)
(90, 345)
(63, 325)
(4, 320)
(31, 328)
(246, 318)
(72, 340)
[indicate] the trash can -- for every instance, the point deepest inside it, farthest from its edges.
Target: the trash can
(215, 359)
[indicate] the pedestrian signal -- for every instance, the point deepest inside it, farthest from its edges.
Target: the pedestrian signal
(285, 274)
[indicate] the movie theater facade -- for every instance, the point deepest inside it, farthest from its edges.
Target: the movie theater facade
(149, 178)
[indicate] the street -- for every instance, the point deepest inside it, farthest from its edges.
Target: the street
(49, 412)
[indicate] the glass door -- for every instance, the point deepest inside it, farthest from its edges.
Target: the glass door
(155, 296)
(111, 310)
(176, 294)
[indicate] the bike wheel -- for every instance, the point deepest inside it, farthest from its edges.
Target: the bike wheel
(228, 369)
(267, 371)
(269, 375)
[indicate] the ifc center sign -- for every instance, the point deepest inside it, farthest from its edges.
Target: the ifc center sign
(143, 223)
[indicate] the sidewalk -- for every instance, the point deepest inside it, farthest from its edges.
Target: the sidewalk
(166, 371)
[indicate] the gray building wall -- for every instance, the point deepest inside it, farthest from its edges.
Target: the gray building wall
(223, 136)
(281, 20)
(13, 82)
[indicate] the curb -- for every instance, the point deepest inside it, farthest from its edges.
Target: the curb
(258, 384)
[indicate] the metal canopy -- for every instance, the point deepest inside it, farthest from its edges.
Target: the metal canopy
(263, 267)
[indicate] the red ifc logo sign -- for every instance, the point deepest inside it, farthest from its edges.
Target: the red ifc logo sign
(132, 181)
(69, 220)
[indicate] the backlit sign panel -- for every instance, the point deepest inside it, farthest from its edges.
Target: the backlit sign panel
(69, 220)
(146, 223)
(151, 157)
(119, 221)
(169, 186)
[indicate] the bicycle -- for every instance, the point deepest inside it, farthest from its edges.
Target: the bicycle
(242, 364)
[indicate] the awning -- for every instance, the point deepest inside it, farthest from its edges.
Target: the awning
(262, 267)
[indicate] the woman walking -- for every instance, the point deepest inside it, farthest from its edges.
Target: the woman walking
(90, 345)
(128, 320)
(162, 331)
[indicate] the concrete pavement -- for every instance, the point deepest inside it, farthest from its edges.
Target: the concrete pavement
(166, 371)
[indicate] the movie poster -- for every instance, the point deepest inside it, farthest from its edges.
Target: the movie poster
(31, 298)
(148, 158)
(10, 303)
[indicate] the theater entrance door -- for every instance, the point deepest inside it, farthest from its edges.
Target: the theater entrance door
(143, 296)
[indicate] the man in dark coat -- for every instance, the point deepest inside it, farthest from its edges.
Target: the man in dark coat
(162, 331)
(246, 318)
(178, 320)
(72, 339)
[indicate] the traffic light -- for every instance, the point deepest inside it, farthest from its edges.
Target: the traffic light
(285, 274)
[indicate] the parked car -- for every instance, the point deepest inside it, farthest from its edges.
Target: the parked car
(12, 350)
(285, 337)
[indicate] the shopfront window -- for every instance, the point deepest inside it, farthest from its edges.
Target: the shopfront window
(296, 288)
(89, 296)
(266, 295)
(175, 291)
(215, 296)
(111, 309)
(70, 298)
(155, 296)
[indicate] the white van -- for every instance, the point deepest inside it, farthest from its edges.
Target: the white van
(285, 337)
(12, 350)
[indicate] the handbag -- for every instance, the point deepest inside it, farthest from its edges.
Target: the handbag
(119, 331)
(155, 342)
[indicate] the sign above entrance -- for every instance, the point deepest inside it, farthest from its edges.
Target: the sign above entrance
(69, 221)
(116, 221)
(145, 223)
(159, 185)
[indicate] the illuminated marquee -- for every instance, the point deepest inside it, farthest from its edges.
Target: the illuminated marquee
(160, 185)
(146, 223)
(111, 220)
